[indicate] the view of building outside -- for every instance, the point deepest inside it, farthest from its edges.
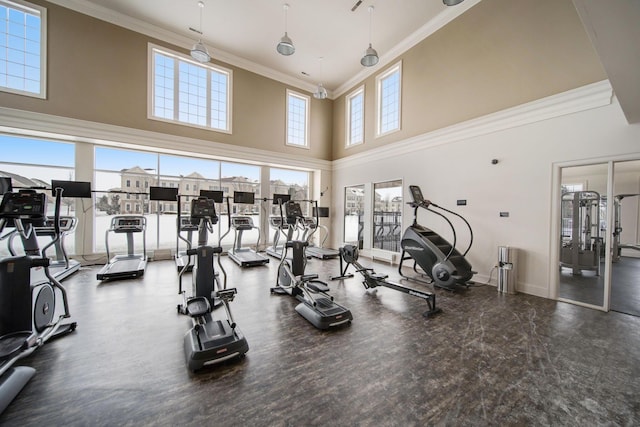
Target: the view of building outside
(122, 179)
(387, 215)
(354, 215)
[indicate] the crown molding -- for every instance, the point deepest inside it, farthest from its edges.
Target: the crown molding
(31, 124)
(587, 97)
(442, 19)
(104, 14)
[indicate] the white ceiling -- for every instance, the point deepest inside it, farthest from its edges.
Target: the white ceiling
(246, 32)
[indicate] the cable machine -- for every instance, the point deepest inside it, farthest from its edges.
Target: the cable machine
(581, 243)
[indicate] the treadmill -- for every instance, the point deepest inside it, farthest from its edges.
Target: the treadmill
(244, 256)
(280, 225)
(131, 265)
(310, 224)
(60, 266)
(184, 225)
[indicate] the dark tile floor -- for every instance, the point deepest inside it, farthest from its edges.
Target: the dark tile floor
(487, 359)
(588, 287)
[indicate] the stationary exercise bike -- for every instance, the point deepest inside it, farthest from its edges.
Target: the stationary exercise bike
(28, 317)
(209, 341)
(349, 255)
(316, 305)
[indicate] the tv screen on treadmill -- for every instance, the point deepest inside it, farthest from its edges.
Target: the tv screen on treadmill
(216, 195)
(322, 212)
(243, 197)
(5, 185)
(80, 189)
(284, 197)
(163, 193)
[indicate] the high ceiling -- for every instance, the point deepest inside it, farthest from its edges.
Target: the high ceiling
(246, 32)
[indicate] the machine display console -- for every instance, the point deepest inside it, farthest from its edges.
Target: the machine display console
(24, 205)
(66, 224)
(242, 221)
(124, 223)
(204, 208)
(416, 193)
(294, 211)
(186, 224)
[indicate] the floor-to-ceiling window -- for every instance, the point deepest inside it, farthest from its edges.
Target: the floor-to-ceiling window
(33, 163)
(387, 215)
(354, 215)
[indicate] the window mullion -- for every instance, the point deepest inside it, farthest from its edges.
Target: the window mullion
(176, 89)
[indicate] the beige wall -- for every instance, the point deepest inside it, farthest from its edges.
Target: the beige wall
(499, 54)
(98, 72)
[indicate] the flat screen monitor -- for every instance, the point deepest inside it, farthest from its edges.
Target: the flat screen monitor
(163, 193)
(5, 185)
(216, 195)
(80, 189)
(322, 212)
(283, 197)
(416, 193)
(244, 197)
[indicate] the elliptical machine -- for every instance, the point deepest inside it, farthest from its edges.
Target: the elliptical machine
(27, 292)
(316, 305)
(440, 260)
(209, 341)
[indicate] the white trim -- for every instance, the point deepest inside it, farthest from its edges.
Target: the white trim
(105, 14)
(210, 67)
(42, 13)
(347, 99)
(584, 98)
(442, 19)
(397, 68)
(40, 125)
(307, 115)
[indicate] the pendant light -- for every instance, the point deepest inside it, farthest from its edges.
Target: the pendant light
(370, 57)
(321, 92)
(285, 47)
(199, 51)
(451, 2)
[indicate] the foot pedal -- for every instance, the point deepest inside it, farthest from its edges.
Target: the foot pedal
(197, 307)
(318, 286)
(308, 277)
(227, 294)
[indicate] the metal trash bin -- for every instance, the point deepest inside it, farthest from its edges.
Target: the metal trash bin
(507, 271)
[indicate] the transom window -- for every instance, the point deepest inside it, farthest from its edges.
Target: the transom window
(189, 92)
(23, 48)
(389, 100)
(355, 117)
(297, 119)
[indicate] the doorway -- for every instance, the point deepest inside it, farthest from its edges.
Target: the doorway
(598, 229)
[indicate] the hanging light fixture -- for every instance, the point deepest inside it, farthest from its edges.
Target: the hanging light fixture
(285, 47)
(321, 92)
(199, 51)
(370, 57)
(451, 2)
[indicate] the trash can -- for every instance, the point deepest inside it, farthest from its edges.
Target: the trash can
(507, 272)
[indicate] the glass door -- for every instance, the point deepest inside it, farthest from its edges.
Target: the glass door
(625, 266)
(583, 235)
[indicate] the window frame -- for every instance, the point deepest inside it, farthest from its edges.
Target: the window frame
(349, 117)
(307, 101)
(397, 68)
(31, 8)
(152, 49)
